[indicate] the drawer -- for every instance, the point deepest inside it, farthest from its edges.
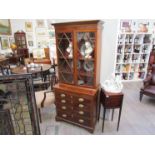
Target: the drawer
(81, 100)
(62, 95)
(82, 120)
(64, 115)
(82, 113)
(64, 107)
(82, 106)
(63, 101)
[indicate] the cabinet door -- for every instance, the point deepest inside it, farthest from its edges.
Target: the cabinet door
(86, 58)
(65, 57)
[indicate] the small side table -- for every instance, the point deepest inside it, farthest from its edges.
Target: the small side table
(110, 101)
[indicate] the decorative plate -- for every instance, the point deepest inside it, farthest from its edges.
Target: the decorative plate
(88, 66)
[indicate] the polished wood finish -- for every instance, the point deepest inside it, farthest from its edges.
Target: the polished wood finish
(23, 69)
(82, 26)
(3, 60)
(20, 40)
(45, 60)
(75, 103)
(110, 101)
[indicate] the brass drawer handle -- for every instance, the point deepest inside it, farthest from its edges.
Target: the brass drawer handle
(81, 99)
(81, 120)
(81, 112)
(64, 107)
(63, 101)
(63, 95)
(81, 105)
(64, 115)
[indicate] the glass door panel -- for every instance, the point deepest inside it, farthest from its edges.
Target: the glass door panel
(65, 57)
(85, 58)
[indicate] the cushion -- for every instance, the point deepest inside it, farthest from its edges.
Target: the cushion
(150, 90)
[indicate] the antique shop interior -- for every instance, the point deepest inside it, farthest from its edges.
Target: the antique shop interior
(77, 77)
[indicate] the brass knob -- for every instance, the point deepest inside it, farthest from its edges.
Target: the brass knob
(81, 105)
(63, 95)
(81, 99)
(64, 115)
(63, 101)
(63, 107)
(81, 120)
(81, 112)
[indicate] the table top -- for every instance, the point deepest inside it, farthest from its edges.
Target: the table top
(23, 69)
(111, 94)
(3, 59)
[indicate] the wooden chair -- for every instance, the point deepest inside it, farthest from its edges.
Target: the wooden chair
(46, 97)
(45, 60)
(151, 61)
(149, 85)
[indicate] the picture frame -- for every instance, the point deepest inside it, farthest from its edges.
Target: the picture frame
(11, 40)
(5, 27)
(30, 43)
(4, 43)
(125, 25)
(40, 32)
(40, 23)
(38, 53)
(29, 36)
(51, 33)
(30, 39)
(28, 26)
(42, 42)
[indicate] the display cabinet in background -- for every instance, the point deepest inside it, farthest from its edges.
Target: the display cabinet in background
(134, 44)
(20, 40)
(78, 53)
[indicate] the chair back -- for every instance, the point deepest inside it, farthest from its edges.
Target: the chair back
(5, 69)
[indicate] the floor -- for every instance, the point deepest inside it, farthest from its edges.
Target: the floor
(137, 117)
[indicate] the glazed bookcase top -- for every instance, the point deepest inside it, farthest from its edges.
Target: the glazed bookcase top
(78, 52)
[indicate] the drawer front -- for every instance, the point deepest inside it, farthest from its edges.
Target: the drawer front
(63, 101)
(64, 115)
(81, 103)
(65, 107)
(62, 95)
(82, 120)
(82, 113)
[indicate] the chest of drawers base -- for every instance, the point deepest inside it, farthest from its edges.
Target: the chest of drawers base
(90, 129)
(76, 106)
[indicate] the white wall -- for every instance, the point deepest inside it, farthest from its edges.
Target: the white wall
(109, 38)
(19, 24)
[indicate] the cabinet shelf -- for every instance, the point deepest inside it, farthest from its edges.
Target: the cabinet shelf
(20, 40)
(86, 59)
(133, 50)
(86, 74)
(66, 58)
(65, 72)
